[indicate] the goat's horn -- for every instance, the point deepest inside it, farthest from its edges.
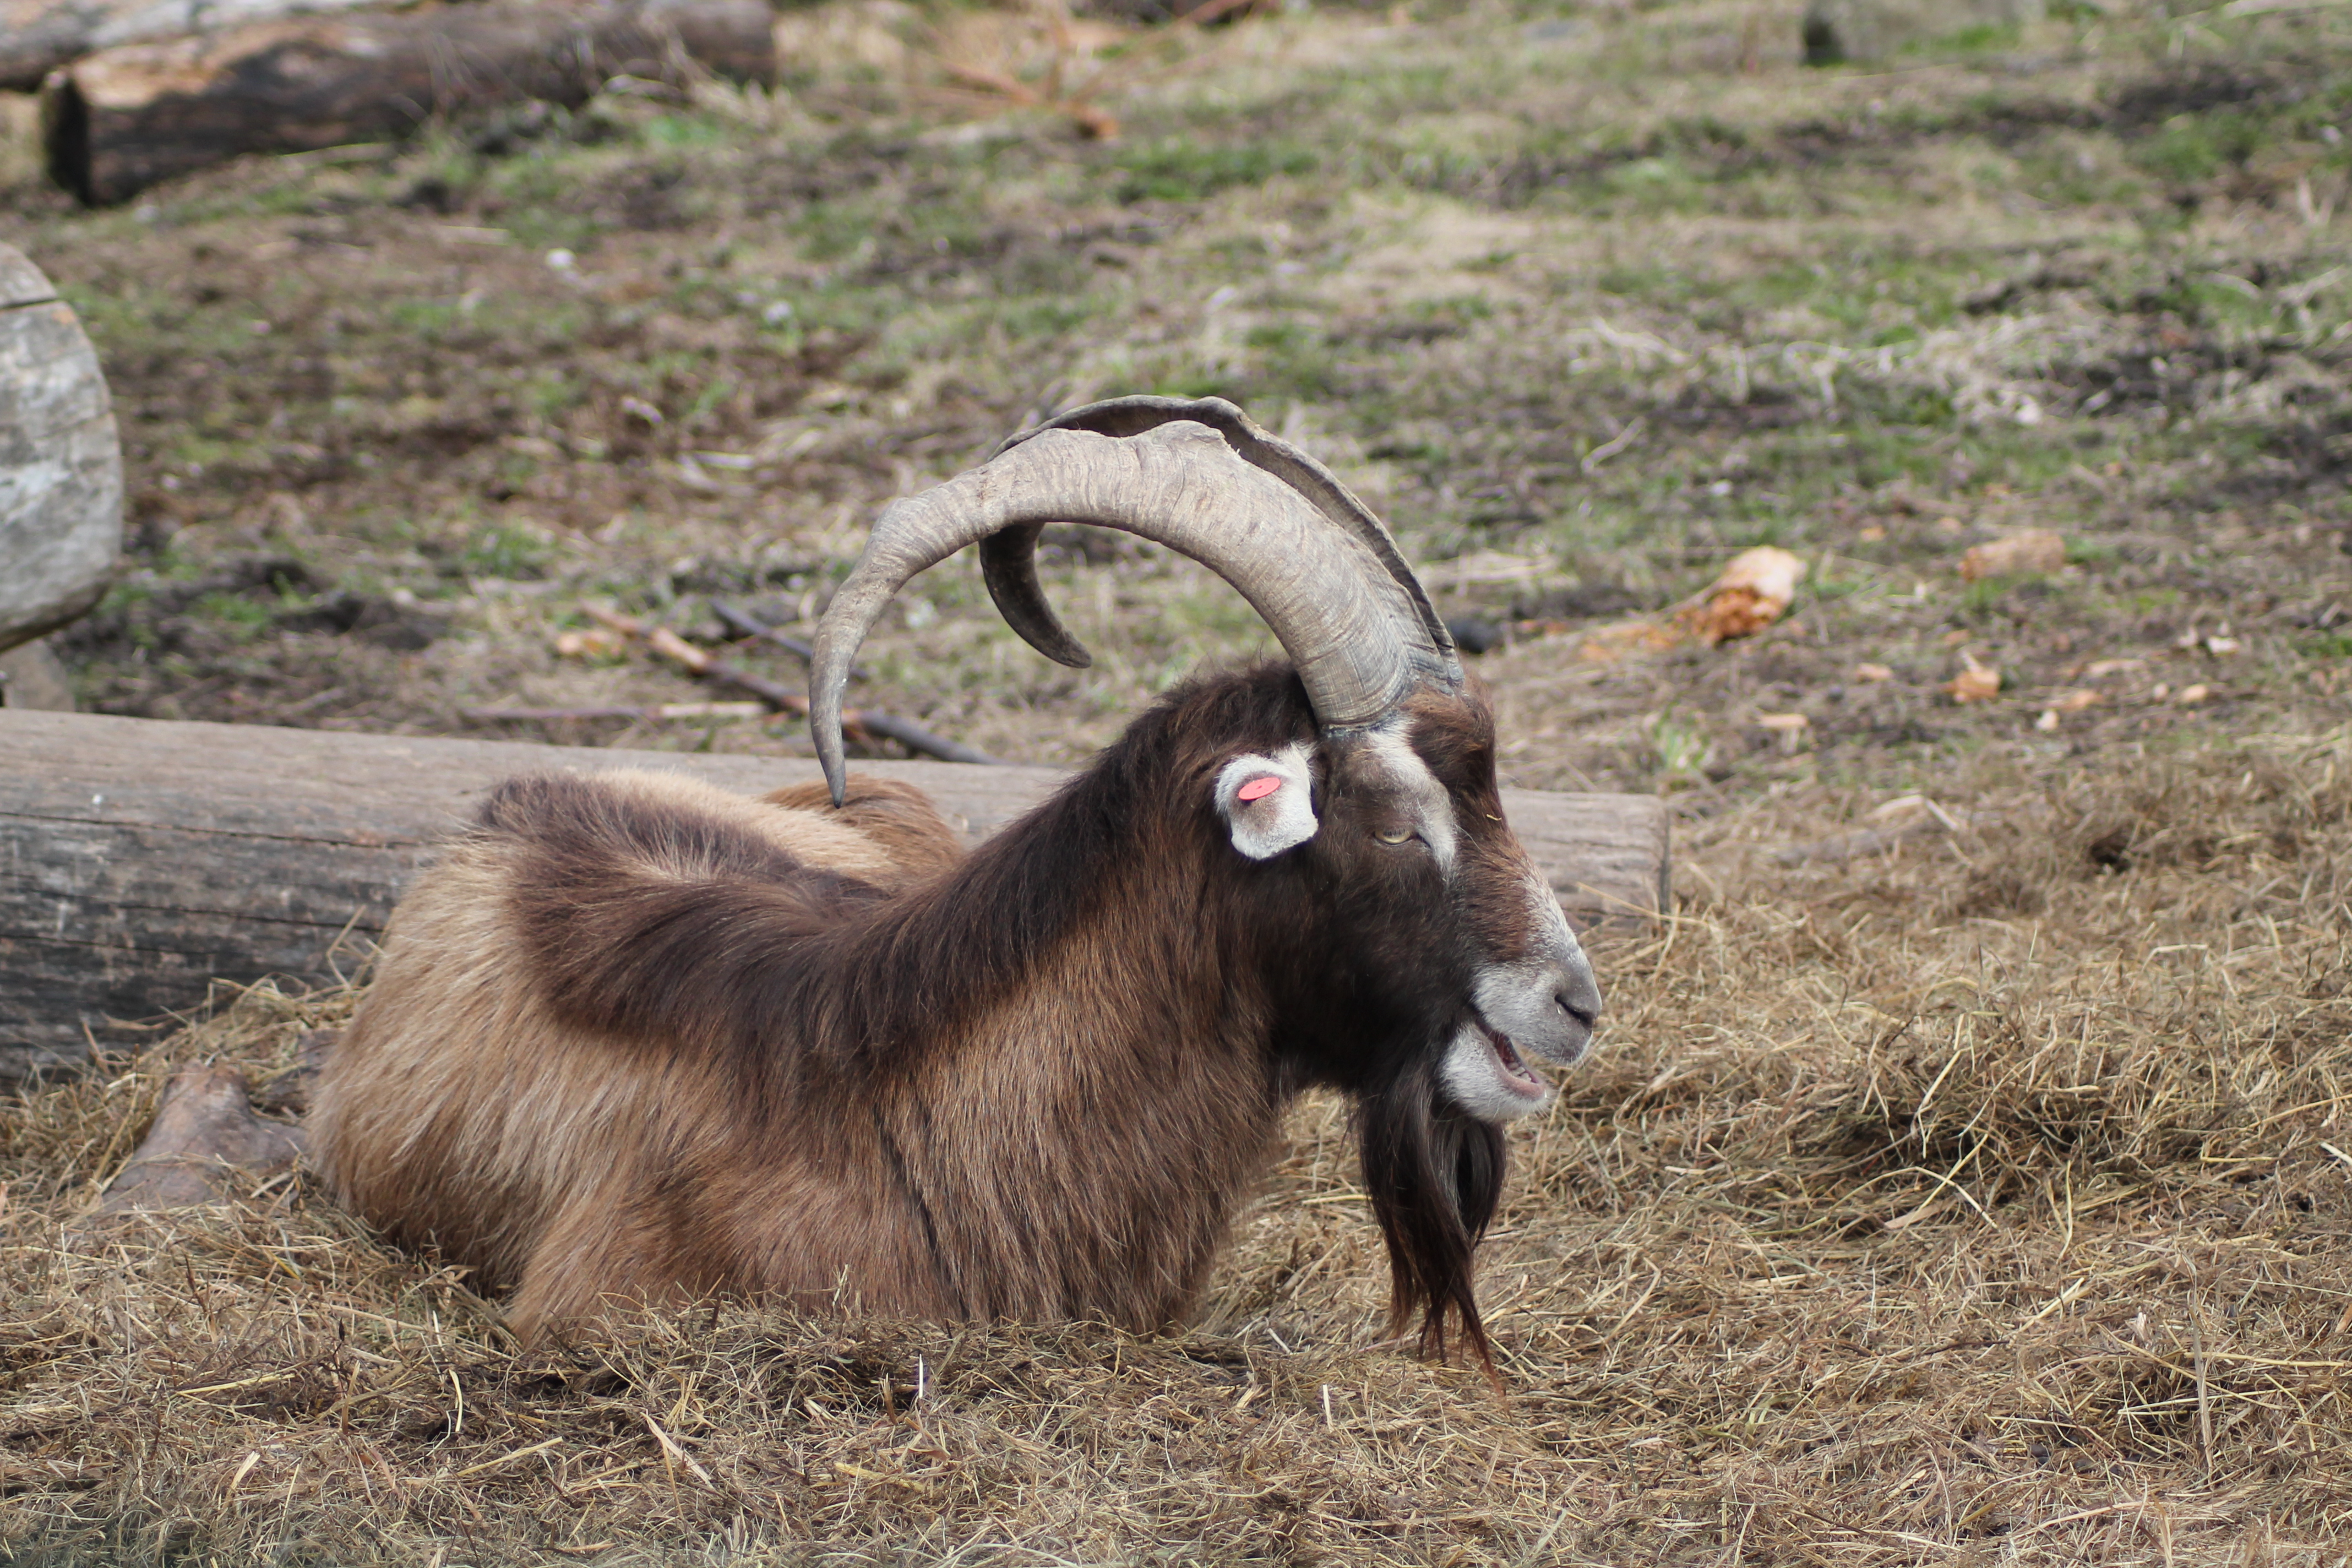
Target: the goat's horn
(1008, 560)
(1347, 620)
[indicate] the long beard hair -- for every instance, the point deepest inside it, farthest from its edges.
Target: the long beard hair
(1434, 1174)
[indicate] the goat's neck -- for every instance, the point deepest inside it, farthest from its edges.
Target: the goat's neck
(1075, 1142)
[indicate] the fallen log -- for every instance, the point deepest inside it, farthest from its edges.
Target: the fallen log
(61, 462)
(125, 119)
(142, 858)
(36, 36)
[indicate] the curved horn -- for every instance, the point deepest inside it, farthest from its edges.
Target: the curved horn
(1008, 559)
(1347, 623)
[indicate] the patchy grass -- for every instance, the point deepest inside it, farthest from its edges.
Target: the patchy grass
(1587, 302)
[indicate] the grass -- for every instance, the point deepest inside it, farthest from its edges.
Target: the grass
(1975, 1198)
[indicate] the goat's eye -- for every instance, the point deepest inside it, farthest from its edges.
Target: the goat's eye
(1394, 835)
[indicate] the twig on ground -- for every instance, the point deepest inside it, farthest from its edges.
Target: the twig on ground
(1208, 11)
(710, 667)
(744, 626)
(915, 738)
(1839, 847)
(1093, 122)
(1926, 817)
(1080, 104)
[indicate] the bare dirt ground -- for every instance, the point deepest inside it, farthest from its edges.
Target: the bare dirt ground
(1975, 1190)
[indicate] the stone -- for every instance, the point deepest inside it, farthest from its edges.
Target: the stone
(60, 462)
(31, 676)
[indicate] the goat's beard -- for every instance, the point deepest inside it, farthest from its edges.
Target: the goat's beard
(1434, 1173)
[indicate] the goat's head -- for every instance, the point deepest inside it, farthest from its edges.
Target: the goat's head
(1367, 817)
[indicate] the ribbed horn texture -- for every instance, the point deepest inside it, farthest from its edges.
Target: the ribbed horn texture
(1008, 560)
(1354, 628)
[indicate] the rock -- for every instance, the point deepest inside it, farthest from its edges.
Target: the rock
(60, 463)
(1474, 634)
(1838, 30)
(32, 676)
(206, 1147)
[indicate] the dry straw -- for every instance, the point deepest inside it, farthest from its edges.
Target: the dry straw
(1983, 1200)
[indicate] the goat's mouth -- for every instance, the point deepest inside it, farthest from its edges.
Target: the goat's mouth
(1511, 1070)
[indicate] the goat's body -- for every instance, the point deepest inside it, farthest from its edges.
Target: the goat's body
(1067, 1146)
(637, 1041)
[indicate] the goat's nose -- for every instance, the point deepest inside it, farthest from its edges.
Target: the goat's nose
(1579, 996)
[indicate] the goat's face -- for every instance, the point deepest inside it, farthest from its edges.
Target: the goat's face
(1441, 926)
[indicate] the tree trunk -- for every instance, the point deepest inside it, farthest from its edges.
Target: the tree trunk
(36, 36)
(120, 120)
(60, 464)
(139, 859)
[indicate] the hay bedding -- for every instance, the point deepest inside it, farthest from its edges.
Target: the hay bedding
(1981, 1201)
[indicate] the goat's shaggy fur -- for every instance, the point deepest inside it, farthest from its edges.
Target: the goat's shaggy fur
(638, 1040)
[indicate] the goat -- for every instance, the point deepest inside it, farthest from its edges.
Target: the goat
(635, 1040)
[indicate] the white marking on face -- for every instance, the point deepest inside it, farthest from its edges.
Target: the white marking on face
(1540, 1007)
(1477, 1079)
(1267, 801)
(1429, 807)
(1545, 1002)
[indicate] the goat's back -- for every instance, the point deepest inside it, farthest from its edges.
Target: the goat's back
(463, 1110)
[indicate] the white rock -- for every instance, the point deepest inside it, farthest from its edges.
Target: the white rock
(61, 462)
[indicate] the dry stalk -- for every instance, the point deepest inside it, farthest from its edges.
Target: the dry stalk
(1977, 1197)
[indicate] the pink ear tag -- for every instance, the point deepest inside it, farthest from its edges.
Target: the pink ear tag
(1258, 788)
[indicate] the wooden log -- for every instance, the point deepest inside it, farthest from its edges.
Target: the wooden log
(140, 858)
(122, 120)
(36, 36)
(60, 462)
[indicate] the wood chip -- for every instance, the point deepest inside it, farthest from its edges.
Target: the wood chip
(1977, 683)
(597, 642)
(1755, 589)
(2036, 552)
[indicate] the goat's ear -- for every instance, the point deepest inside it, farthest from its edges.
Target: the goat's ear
(1267, 802)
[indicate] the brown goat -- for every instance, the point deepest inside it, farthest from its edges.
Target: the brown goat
(638, 1040)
